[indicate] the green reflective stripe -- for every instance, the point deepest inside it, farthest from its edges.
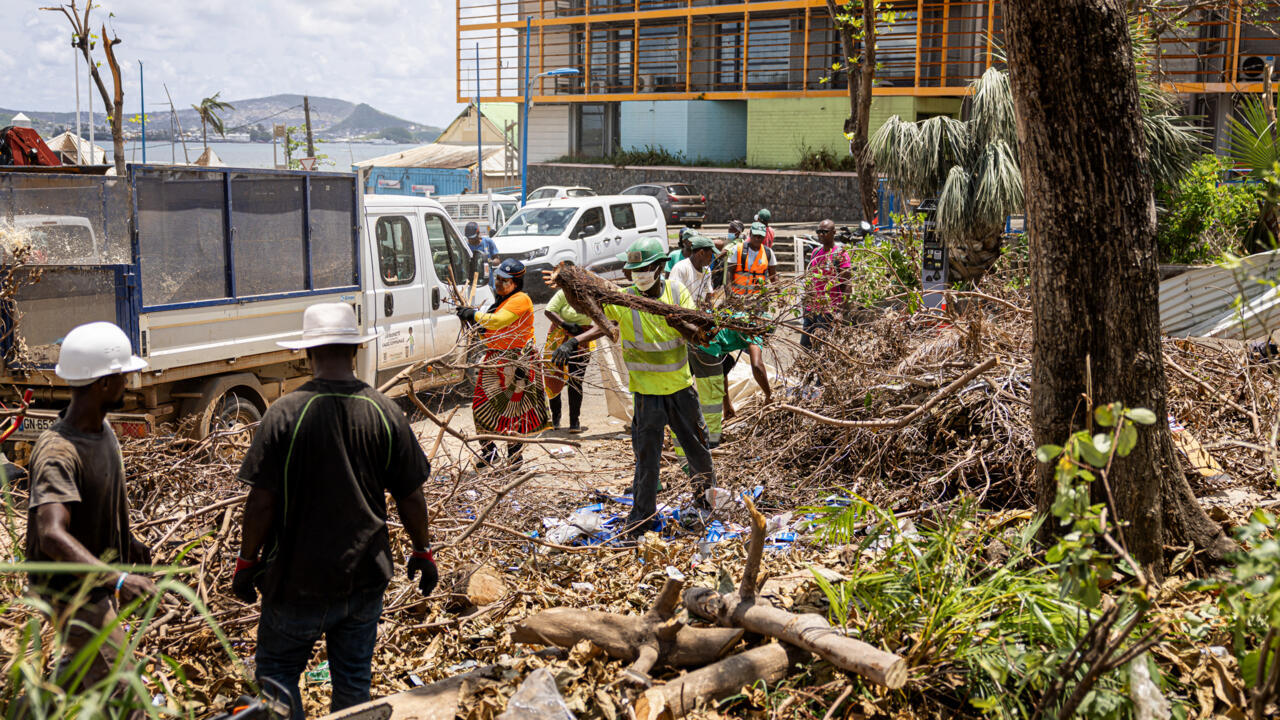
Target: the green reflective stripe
(654, 367)
(293, 438)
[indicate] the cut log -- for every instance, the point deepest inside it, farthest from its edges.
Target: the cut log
(768, 663)
(589, 293)
(623, 636)
(808, 631)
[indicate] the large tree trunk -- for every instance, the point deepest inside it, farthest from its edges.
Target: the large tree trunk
(858, 123)
(1094, 271)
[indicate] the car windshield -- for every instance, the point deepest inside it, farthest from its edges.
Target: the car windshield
(680, 190)
(580, 192)
(539, 221)
(57, 244)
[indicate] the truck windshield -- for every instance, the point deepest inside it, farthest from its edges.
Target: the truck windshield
(539, 221)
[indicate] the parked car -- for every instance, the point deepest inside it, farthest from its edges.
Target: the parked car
(590, 231)
(680, 202)
(559, 192)
(484, 209)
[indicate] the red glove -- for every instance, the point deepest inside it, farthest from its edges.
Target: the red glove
(421, 560)
(244, 582)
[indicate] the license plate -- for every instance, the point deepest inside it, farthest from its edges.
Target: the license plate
(33, 426)
(691, 214)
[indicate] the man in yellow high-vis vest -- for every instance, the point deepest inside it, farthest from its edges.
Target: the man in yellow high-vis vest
(656, 356)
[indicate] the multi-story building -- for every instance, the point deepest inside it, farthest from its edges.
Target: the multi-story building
(753, 80)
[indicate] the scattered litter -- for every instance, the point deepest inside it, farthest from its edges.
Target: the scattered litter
(464, 665)
(537, 699)
(320, 675)
(560, 452)
(583, 587)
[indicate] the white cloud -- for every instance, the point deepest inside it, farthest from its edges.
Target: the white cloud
(396, 55)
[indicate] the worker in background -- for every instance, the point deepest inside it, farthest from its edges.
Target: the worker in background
(828, 284)
(694, 273)
(78, 511)
(483, 248)
(682, 248)
(656, 357)
(749, 267)
(509, 396)
(766, 217)
(315, 539)
(566, 322)
(723, 244)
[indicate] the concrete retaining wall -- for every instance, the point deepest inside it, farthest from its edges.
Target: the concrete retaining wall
(732, 194)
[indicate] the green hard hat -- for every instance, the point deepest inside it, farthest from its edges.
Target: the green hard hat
(643, 253)
(758, 228)
(686, 233)
(699, 242)
(764, 215)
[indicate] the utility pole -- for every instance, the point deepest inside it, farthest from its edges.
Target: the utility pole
(479, 150)
(142, 106)
(306, 111)
(79, 140)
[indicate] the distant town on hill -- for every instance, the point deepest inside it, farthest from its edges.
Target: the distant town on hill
(249, 121)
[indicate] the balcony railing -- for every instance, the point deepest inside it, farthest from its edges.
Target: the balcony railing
(708, 49)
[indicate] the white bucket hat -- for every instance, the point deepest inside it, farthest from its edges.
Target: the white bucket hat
(329, 324)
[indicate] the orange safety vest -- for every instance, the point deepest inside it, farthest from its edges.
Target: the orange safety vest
(747, 280)
(519, 333)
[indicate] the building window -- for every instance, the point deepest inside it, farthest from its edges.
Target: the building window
(595, 129)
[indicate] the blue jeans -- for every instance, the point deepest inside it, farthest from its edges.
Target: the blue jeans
(288, 633)
(814, 323)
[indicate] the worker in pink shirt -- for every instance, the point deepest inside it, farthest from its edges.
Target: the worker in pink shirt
(827, 291)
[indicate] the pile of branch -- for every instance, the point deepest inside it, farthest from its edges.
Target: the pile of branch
(589, 293)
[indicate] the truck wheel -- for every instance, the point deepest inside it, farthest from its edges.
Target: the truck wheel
(232, 413)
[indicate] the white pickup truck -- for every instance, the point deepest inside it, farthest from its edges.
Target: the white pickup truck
(207, 270)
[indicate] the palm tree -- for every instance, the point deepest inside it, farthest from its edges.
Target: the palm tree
(208, 110)
(1255, 143)
(971, 166)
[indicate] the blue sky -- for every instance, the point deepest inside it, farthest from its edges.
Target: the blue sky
(397, 55)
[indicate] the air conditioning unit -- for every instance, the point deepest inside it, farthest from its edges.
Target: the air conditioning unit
(1252, 67)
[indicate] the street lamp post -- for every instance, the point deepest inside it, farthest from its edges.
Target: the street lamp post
(524, 121)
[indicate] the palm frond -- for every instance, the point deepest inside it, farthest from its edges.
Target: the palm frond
(991, 114)
(944, 142)
(955, 203)
(1172, 145)
(1254, 140)
(895, 150)
(999, 185)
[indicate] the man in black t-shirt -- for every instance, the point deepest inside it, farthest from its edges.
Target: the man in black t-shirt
(315, 538)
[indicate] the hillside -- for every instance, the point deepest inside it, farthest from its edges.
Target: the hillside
(330, 117)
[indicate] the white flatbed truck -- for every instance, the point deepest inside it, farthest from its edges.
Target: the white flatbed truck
(206, 269)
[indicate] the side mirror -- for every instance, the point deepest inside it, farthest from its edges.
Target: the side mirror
(588, 231)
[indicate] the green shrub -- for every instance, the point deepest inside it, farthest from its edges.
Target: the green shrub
(1202, 218)
(648, 156)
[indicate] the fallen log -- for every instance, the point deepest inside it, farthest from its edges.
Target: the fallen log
(589, 293)
(656, 638)
(809, 631)
(768, 663)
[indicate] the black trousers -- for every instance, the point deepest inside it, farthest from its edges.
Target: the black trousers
(653, 414)
(577, 371)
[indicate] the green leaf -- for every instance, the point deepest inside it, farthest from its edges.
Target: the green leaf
(1048, 453)
(1249, 668)
(1104, 416)
(1092, 455)
(1142, 416)
(1127, 440)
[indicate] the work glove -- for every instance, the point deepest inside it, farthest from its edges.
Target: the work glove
(244, 584)
(421, 560)
(573, 328)
(565, 351)
(466, 314)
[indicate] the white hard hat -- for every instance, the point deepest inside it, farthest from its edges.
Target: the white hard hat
(95, 350)
(329, 324)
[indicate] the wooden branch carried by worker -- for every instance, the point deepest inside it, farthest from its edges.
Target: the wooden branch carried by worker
(809, 631)
(647, 642)
(589, 293)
